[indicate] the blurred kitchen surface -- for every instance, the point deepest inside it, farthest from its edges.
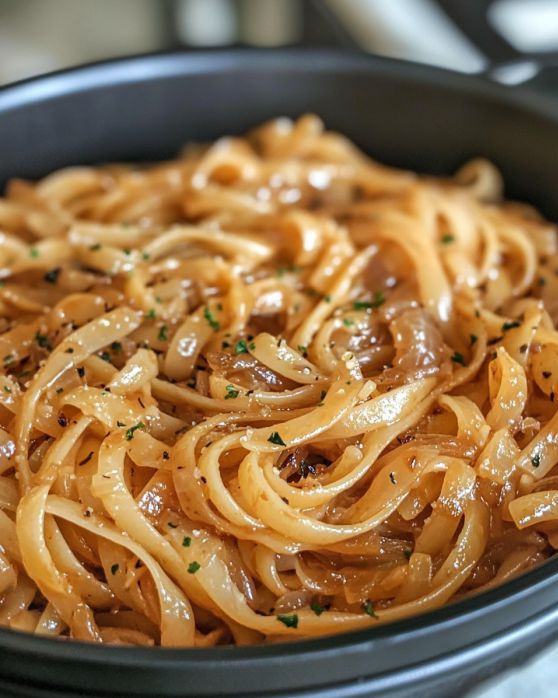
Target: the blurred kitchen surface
(38, 36)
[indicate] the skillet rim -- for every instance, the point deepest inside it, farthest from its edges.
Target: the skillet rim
(151, 67)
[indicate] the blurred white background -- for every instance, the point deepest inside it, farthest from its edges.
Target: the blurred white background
(38, 36)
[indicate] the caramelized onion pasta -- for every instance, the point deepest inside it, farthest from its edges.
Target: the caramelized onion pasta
(270, 390)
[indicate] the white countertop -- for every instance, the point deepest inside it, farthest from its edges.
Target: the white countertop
(537, 679)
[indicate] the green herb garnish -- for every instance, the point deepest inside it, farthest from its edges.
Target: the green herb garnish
(193, 567)
(276, 439)
(186, 541)
(510, 325)
(317, 608)
(211, 321)
(52, 275)
(458, 358)
(368, 607)
(232, 392)
(131, 430)
(379, 299)
(241, 347)
(163, 333)
(291, 621)
(42, 341)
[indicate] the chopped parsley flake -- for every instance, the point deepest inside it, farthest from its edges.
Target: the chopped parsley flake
(276, 439)
(510, 325)
(458, 358)
(348, 322)
(34, 252)
(114, 568)
(8, 359)
(105, 356)
(327, 298)
(408, 552)
(291, 621)
(96, 247)
(163, 333)
(536, 460)
(368, 607)
(241, 347)
(131, 430)
(303, 350)
(232, 392)
(186, 541)
(7, 390)
(288, 270)
(145, 256)
(494, 340)
(447, 239)
(317, 608)
(152, 314)
(211, 321)
(193, 567)
(379, 299)
(42, 341)
(52, 276)
(116, 347)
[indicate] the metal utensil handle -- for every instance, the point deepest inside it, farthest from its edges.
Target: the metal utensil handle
(536, 70)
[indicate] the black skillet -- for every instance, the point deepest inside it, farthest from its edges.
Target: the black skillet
(403, 114)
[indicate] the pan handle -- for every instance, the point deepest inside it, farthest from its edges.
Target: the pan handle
(532, 74)
(537, 71)
(506, 64)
